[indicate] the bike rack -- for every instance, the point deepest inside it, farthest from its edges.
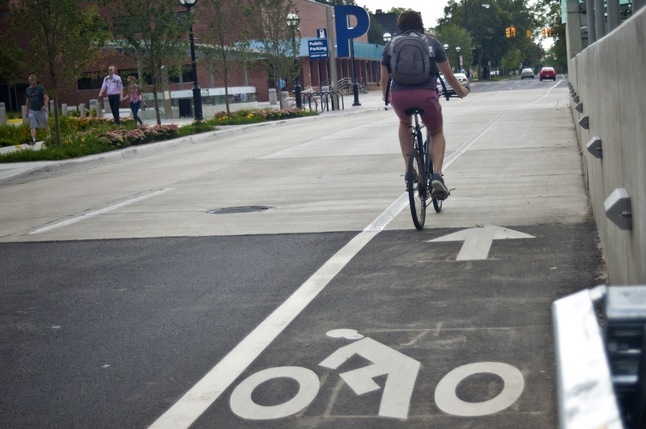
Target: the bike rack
(333, 98)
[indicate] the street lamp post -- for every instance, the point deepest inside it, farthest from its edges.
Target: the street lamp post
(197, 92)
(355, 86)
(458, 63)
(292, 22)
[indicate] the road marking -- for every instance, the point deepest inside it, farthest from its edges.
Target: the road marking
(98, 212)
(190, 406)
(207, 390)
(477, 241)
(400, 371)
(448, 401)
(243, 405)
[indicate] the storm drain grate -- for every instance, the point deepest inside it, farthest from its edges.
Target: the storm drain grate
(241, 209)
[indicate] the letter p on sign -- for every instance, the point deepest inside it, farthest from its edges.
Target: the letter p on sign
(345, 33)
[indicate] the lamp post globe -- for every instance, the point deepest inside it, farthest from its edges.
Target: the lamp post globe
(292, 21)
(197, 92)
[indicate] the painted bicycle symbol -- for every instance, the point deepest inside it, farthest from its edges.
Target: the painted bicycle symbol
(400, 371)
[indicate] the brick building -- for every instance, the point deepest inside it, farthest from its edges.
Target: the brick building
(251, 82)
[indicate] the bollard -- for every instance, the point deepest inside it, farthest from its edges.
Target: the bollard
(96, 106)
(3, 114)
(283, 96)
(82, 110)
(64, 109)
(25, 116)
(273, 100)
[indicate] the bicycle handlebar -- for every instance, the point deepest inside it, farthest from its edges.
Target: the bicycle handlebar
(444, 92)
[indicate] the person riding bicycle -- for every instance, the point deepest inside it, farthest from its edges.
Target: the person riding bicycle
(424, 96)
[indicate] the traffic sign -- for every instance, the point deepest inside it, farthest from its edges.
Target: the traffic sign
(317, 49)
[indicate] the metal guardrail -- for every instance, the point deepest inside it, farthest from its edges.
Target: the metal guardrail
(601, 370)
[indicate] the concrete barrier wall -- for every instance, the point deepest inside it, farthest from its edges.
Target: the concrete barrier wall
(609, 78)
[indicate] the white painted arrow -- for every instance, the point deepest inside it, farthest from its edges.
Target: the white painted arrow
(477, 241)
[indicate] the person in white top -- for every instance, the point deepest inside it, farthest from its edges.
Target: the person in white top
(113, 88)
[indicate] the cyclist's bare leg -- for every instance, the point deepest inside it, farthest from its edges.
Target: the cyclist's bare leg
(405, 141)
(438, 147)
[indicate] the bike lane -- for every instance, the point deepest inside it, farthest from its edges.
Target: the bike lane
(411, 334)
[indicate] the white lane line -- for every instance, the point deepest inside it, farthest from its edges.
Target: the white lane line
(207, 390)
(98, 212)
(467, 144)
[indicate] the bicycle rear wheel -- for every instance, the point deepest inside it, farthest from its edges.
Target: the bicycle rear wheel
(437, 204)
(417, 188)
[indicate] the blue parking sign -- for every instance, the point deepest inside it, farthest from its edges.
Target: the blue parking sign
(317, 49)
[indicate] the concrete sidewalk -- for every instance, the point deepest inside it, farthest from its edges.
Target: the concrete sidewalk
(367, 102)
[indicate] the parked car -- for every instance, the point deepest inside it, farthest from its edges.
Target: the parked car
(527, 73)
(547, 73)
(461, 77)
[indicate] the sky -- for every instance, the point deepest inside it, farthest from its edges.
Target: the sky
(431, 10)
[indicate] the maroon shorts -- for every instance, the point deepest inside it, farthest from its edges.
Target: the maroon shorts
(426, 99)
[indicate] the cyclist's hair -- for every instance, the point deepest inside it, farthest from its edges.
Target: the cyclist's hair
(410, 20)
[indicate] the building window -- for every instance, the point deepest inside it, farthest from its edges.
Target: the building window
(90, 81)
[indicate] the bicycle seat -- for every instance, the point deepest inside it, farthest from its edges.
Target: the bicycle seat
(414, 111)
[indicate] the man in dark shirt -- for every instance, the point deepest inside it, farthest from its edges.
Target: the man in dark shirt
(37, 101)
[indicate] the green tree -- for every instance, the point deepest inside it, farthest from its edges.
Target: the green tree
(227, 37)
(550, 14)
(64, 38)
(376, 31)
(153, 32)
(456, 36)
(279, 42)
(511, 60)
(486, 21)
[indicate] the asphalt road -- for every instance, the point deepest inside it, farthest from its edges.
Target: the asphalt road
(271, 277)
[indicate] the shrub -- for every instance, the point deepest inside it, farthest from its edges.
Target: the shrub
(81, 136)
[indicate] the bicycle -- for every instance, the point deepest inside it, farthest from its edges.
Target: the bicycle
(419, 173)
(420, 166)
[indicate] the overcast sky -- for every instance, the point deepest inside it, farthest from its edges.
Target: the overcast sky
(431, 10)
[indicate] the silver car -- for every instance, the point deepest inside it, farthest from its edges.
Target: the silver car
(526, 73)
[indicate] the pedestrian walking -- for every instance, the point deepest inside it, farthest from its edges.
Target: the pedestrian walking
(113, 88)
(134, 95)
(37, 102)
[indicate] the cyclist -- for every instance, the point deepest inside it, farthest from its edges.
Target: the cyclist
(424, 96)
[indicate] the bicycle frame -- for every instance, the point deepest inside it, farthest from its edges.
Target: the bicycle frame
(422, 146)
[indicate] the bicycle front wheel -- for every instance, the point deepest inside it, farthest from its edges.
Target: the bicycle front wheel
(417, 189)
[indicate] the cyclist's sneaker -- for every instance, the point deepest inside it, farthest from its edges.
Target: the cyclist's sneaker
(440, 191)
(410, 179)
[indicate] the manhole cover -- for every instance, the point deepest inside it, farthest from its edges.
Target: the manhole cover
(241, 209)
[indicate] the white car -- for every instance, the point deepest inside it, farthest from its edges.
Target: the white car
(461, 77)
(527, 73)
